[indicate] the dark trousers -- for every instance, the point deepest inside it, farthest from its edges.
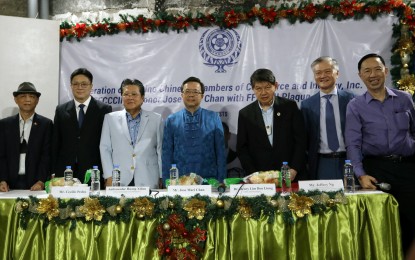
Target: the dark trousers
(401, 177)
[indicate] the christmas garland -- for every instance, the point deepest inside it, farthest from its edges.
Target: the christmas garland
(304, 11)
(182, 229)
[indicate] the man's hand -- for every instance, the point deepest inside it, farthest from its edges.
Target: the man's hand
(38, 186)
(108, 182)
(366, 181)
(293, 173)
(4, 187)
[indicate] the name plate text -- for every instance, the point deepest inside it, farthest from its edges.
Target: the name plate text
(189, 190)
(252, 189)
(321, 185)
(127, 191)
(70, 192)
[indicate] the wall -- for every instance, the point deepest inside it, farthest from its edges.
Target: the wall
(57, 7)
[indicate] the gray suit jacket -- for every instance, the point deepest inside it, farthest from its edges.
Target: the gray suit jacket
(143, 161)
(311, 112)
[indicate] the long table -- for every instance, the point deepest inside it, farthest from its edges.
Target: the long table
(366, 228)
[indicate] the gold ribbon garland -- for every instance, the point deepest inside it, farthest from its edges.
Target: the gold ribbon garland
(49, 206)
(92, 209)
(195, 208)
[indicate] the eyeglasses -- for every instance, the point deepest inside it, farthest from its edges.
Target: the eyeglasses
(188, 92)
(80, 85)
(266, 88)
(133, 95)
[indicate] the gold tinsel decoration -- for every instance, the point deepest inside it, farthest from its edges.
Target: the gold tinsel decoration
(244, 209)
(49, 206)
(92, 209)
(195, 208)
(405, 45)
(300, 205)
(143, 207)
(21, 205)
(407, 83)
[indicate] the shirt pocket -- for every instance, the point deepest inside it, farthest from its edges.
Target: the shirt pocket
(402, 120)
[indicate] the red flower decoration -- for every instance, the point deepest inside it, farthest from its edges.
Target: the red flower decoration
(231, 19)
(309, 12)
(268, 15)
(80, 30)
(348, 8)
(177, 242)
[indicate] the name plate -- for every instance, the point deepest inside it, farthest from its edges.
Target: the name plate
(70, 192)
(189, 190)
(127, 191)
(321, 185)
(252, 189)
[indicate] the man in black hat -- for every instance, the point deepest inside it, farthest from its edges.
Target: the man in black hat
(25, 142)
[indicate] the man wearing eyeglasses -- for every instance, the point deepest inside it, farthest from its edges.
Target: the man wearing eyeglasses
(270, 129)
(193, 137)
(77, 128)
(25, 141)
(132, 139)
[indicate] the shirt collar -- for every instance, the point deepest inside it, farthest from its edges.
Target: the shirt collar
(188, 113)
(29, 119)
(389, 93)
(130, 118)
(86, 103)
(333, 92)
(271, 107)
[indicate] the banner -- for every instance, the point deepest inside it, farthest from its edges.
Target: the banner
(224, 60)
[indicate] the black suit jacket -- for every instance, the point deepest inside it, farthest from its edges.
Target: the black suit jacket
(76, 147)
(253, 147)
(37, 155)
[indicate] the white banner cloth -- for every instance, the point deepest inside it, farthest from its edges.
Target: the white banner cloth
(224, 60)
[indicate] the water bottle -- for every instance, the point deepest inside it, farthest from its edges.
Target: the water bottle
(174, 175)
(348, 173)
(95, 182)
(116, 176)
(286, 175)
(68, 176)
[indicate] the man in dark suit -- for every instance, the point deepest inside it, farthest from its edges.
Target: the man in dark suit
(77, 128)
(25, 141)
(325, 156)
(270, 130)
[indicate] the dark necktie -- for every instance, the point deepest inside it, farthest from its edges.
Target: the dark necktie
(81, 115)
(331, 126)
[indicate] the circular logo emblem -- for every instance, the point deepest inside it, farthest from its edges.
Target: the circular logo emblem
(220, 48)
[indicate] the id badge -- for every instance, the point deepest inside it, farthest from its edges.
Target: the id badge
(269, 129)
(22, 164)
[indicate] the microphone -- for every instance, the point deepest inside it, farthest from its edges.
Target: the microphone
(154, 191)
(237, 192)
(221, 188)
(383, 186)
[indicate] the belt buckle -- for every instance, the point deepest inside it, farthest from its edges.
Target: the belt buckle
(395, 158)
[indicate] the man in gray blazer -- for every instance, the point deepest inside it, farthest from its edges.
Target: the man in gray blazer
(324, 116)
(132, 138)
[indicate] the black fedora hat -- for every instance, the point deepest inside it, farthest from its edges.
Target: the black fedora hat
(26, 88)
